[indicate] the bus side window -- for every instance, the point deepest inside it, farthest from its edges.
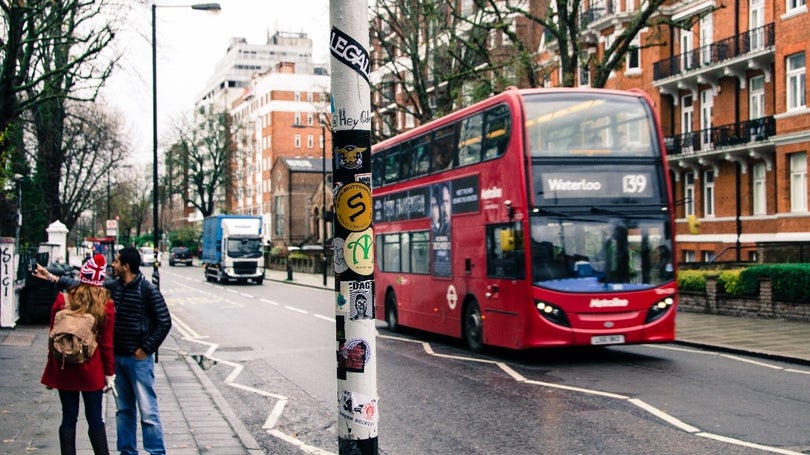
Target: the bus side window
(421, 156)
(405, 162)
(444, 141)
(392, 165)
(377, 169)
(497, 132)
(469, 141)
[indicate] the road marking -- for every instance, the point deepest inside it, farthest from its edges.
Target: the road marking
(297, 310)
(674, 421)
(325, 318)
(230, 380)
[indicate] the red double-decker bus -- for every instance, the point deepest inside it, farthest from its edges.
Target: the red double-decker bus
(536, 218)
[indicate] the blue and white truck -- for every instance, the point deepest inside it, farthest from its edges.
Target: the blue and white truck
(232, 248)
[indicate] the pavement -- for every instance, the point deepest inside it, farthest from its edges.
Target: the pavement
(198, 420)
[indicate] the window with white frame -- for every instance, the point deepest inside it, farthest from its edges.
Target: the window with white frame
(758, 189)
(795, 69)
(708, 194)
(688, 256)
(689, 193)
(633, 58)
(795, 4)
(310, 118)
(708, 256)
(297, 120)
(310, 141)
(756, 97)
(798, 182)
(298, 141)
(584, 75)
(297, 96)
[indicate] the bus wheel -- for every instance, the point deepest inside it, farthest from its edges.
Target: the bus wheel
(391, 311)
(473, 328)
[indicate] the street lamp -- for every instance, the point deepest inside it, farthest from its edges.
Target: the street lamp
(323, 211)
(18, 179)
(212, 7)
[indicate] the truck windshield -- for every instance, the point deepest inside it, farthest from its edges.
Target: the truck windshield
(600, 253)
(244, 248)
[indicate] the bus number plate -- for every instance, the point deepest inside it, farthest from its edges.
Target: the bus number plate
(607, 339)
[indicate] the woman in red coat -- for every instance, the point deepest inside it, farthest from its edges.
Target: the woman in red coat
(96, 375)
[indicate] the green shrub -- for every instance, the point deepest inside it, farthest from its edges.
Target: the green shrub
(788, 281)
(730, 281)
(692, 280)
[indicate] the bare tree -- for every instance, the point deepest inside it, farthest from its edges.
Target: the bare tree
(94, 149)
(434, 56)
(201, 158)
(52, 52)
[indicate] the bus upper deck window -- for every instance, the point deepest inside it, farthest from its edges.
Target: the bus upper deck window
(469, 141)
(497, 130)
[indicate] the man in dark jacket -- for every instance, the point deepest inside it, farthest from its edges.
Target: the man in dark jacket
(142, 323)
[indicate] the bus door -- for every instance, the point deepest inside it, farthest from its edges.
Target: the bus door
(504, 302)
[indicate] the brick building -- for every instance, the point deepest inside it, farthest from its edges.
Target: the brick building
(297, 204)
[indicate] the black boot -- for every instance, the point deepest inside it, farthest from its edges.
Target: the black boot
(98, 439)
(67, 440)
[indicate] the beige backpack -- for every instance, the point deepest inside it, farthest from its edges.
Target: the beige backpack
(72, 339)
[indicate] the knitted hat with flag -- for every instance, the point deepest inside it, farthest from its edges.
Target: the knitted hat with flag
(94, 271)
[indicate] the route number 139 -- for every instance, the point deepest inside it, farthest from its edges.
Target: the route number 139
(634, 183)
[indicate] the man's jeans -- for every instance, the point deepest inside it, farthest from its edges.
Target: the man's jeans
(135, 383)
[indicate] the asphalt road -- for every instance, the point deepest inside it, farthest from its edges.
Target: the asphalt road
(272, 350)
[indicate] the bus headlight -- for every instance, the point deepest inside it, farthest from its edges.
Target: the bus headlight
(553, 313)
(658, 309)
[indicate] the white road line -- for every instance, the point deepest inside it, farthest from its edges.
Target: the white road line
(297, 310)
(639, 403)
(663, 415)
(270, 302)
(281, 400)
(753, 362)
(752, 445)
(325, 318)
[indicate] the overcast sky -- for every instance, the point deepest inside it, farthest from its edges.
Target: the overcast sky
(189, 43)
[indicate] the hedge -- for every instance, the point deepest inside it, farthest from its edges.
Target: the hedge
(790, 282)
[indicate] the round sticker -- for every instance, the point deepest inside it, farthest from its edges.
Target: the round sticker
(353, 206)
(358, 252)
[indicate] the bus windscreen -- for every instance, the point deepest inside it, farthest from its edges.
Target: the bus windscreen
(571, 125)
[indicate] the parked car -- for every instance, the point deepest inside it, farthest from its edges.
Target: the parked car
(180, 255)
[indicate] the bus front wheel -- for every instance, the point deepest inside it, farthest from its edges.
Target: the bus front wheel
(473, 328)
(391, 312)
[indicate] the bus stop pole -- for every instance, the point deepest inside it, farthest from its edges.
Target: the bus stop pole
(358, 413)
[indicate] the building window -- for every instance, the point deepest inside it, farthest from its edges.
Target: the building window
(708, 256)
(798, 182)
(795, 4)
(297, 96)
(297, 120)
(278, 216)
(634, 56)
(310, 119)
(758, 189)
(795, 81)
(689, 193)
(584, 76)
(708, 194)
(298, 141)
(688, 256)
(756, 97)
(310, 141)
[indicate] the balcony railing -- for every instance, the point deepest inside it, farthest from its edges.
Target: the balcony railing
(721, 136)
(746, 42)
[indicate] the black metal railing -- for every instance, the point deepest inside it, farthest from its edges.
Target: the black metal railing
(721, 136)
(735, 46)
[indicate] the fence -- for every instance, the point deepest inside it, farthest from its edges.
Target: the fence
(762, 306)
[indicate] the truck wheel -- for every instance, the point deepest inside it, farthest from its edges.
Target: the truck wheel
(259, 280)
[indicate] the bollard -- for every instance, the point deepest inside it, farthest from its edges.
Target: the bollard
(289, 271)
